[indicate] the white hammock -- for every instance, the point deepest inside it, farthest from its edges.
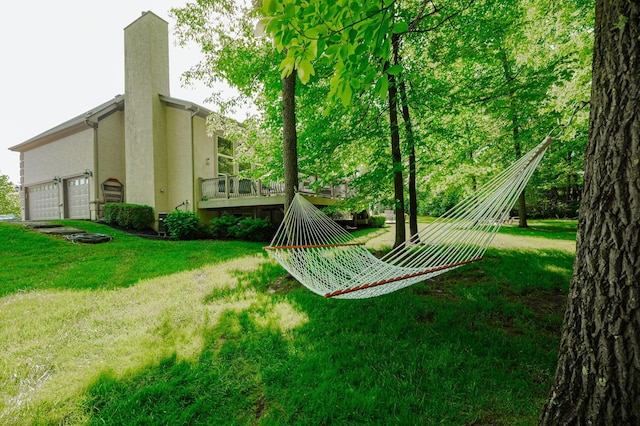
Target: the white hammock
(322, 256)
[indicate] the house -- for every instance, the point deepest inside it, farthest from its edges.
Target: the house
(143, 147)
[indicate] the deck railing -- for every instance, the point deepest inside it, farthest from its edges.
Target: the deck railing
(226, 187)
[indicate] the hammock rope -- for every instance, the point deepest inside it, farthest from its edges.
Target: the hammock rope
(324, 258)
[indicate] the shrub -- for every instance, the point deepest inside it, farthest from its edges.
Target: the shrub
(220, 226)
(130, 216)
(377, 221)
(183, 225)
(247, 229)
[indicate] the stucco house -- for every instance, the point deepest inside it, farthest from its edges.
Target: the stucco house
(143, 147)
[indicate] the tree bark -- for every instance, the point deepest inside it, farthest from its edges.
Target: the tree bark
(406, 117)
(598, 376)
(396, 153)
(522, 201)
(289, 138)
(508, 75)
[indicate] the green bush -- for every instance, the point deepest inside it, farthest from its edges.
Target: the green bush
(183, 225)
(130, 216)
(377, 221)
(247, 229)
(222, 227)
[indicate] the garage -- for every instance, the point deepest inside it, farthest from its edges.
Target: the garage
(43, 202)
(76, 198)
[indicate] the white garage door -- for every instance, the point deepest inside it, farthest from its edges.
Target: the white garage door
(76, 201)
(42, 202)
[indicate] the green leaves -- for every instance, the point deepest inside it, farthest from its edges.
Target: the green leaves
(305, 71)
(400, 27)
(353, 39)
(395, 69)
(269, 7)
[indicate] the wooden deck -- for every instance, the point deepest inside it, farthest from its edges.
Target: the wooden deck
(233, 191)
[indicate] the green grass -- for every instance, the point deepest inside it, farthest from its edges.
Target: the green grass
(557, 229)
(34, 261)
(208, 340)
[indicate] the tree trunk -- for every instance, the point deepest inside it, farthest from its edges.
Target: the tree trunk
(289, 138)
(398, 183)
(522, 210)
(522, 201)
(598, 376)
(406, 117)
(508, 75)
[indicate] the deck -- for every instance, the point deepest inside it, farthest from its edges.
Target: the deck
(233, 191)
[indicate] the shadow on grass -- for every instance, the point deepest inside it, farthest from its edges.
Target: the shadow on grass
(467, 348)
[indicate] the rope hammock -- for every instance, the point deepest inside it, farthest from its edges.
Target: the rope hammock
(323, 257)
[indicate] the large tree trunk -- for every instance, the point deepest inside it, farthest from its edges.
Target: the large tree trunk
(396, 154)
(289, 138)
(598, 377)
(406, 117)
(413, 192)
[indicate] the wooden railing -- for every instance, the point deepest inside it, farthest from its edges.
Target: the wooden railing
(225, 187)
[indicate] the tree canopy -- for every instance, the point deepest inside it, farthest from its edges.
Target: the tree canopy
(9, 197)
(482, 80)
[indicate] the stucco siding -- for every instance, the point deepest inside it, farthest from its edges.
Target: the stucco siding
(179, 170)
(203, 150)
(110, 158)
(146, 78)
(69, 156)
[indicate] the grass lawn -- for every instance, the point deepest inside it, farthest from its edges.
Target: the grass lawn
(139, 331)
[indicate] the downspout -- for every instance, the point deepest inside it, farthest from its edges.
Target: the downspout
(194, 111)
(96, 199)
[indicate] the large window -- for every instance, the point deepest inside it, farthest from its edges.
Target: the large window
(225, 156)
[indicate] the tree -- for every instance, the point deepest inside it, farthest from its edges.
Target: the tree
(357, 41)
(598, 376)
(289, 138)
(9, 198)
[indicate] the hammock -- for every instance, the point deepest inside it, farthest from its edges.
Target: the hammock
(323, 257)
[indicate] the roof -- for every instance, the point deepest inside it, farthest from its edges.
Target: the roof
(82, 121)
(91, 117)
(148, 12)
(186, 105)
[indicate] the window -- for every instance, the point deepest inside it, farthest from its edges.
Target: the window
(225, 156)
(225, 165)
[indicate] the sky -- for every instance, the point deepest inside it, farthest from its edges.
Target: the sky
(62, 58)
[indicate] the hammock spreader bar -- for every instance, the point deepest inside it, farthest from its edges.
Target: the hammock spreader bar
(310, 246)
(404, 277)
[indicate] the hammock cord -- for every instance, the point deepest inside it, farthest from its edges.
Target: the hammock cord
(323, 257)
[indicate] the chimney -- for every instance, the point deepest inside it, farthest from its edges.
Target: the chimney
(146, 47)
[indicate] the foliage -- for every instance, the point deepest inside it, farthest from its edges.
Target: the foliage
(377, 221)
(476, 71)
(130, 216)
(222, 227)
(250, 229)
(9, 197)
(247, 229)
(183, 225)
(510, 73)
(437, 204)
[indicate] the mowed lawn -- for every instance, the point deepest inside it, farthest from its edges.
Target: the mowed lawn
(139, 331)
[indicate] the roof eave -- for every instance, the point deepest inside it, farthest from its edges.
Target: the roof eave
(77, 124)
